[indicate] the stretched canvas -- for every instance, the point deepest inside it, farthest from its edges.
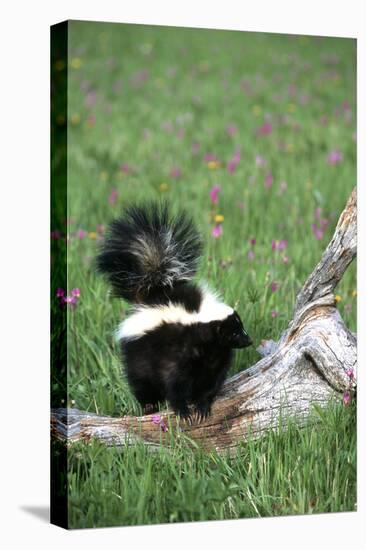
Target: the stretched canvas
(204, 360)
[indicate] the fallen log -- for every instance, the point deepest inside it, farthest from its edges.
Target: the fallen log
(314, 361)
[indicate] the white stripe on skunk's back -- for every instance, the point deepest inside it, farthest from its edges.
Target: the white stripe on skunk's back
(147, 318)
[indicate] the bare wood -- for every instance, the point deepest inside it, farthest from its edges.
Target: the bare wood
(314, 360)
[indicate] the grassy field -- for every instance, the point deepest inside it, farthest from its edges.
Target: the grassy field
(255, 134)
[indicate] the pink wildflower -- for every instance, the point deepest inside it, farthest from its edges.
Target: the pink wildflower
(346, 398)
(125, 168)
(60, 292)
(260, 161)
(195, 148)
(335, 157)
(231, 130)
(209, 157)
(113, 197)
(81, 234)
(268, 180)
(274, 313)
(264, 130)
(279, 245)
(251, 255)
(175, 172)
(231, 166)
(274, 286)
(217, 231)
(214, 194)
(75, 292)
(350, 373)
(156, 419)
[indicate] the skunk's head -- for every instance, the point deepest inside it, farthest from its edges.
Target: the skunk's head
(231, 332)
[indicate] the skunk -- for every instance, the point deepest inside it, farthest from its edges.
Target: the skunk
(177, 342)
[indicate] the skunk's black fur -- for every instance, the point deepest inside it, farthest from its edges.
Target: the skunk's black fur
(177, 343)
(147, 254)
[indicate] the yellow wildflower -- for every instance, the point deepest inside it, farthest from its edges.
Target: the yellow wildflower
(219, 218)
(92, 235)
(213, 164)
(354, 293)
(256, 109)
(337, 298)
(163, 186)
(291, 107)
(76, 63)
(75, 119)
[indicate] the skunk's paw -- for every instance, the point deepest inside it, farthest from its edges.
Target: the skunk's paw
(186, 416)
(203, 411)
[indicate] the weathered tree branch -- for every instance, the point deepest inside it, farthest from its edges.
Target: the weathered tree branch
(315, 359)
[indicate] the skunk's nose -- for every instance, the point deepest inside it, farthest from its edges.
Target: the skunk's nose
(244, 341)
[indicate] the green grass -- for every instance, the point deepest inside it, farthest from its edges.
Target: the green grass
(301, 471)
(143, 96)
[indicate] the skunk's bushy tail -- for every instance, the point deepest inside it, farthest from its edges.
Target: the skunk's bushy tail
(147, 251)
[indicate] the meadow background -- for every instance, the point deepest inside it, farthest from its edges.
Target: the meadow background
(255, 135)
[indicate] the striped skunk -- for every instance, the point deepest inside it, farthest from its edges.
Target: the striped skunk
(177, 342)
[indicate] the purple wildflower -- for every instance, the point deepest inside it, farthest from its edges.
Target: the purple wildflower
(60, 292)
(251, 255)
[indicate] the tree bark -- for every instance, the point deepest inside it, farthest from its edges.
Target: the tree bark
(314, 360)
